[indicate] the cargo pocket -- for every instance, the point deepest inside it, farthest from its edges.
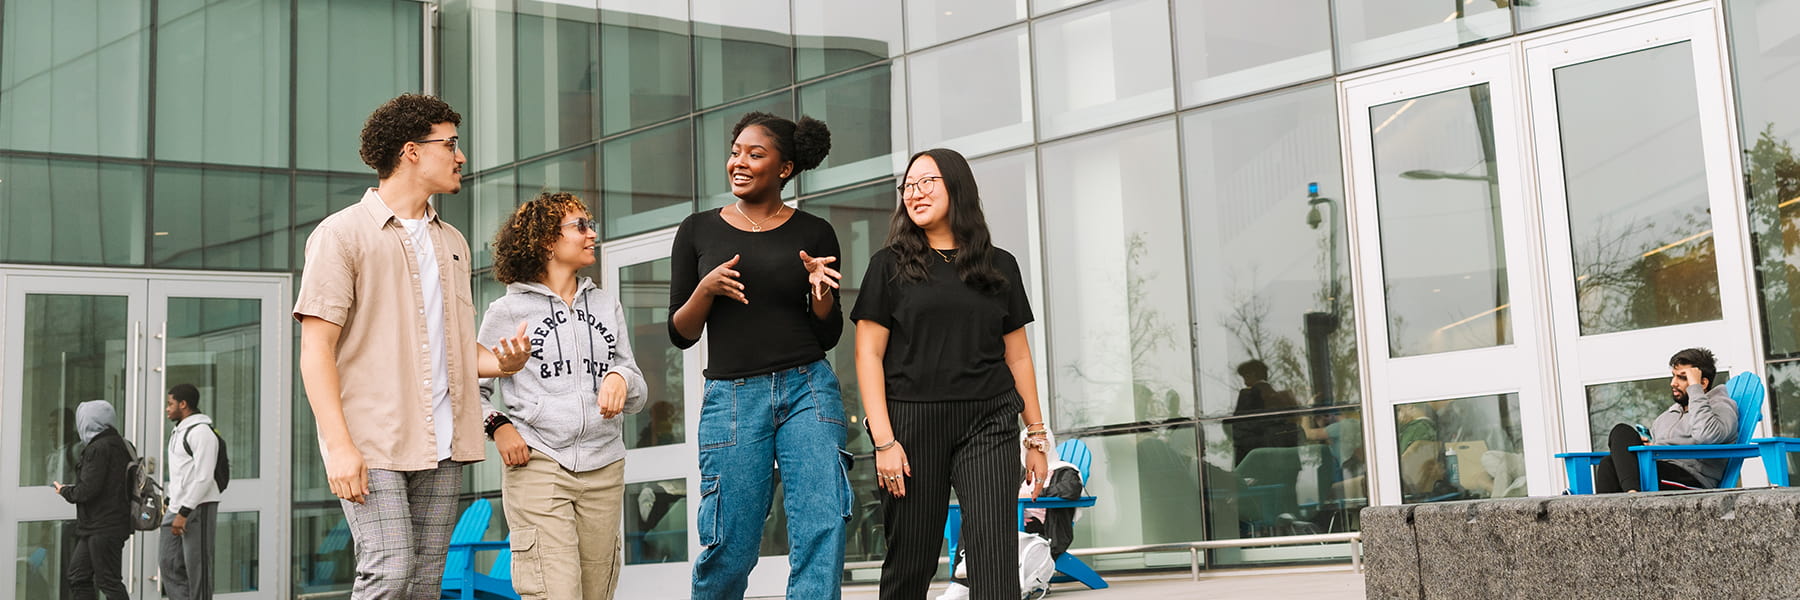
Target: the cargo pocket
(844, 492)
(528, 565)
(706, 521)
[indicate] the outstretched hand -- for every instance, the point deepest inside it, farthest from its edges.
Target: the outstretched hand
(818, 275)
(513, 351)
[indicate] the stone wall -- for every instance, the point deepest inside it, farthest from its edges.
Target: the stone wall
(1733, 544)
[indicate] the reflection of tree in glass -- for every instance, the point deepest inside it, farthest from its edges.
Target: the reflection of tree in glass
(1149, 333)
(1620, 284)
(1772, 174)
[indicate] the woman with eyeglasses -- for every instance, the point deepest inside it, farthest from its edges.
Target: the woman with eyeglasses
(755, 277)
(556, 423)
(945, 374)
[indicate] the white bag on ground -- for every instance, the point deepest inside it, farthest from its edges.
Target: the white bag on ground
(1036, 567)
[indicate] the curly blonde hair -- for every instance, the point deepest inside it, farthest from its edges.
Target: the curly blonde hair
(522, 247)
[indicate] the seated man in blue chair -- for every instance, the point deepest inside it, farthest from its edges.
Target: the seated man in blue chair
(1702, 414)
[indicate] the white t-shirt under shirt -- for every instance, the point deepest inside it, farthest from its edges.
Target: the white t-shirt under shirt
(433, 289)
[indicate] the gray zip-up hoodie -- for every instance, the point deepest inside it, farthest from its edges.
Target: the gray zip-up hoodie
(1711, 418)
(553, 401)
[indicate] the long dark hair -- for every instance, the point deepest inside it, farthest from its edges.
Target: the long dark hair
(968, 225)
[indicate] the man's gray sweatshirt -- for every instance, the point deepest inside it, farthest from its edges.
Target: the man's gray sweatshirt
(554, 400)
(1711, 418)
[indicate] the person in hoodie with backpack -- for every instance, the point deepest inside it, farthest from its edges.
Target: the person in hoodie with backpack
(187, 533)
(102, 498)
(556, 423)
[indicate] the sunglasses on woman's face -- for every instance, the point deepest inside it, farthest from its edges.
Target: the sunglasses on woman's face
(585, 226)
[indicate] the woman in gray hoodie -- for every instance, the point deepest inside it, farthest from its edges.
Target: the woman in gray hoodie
(556, 422)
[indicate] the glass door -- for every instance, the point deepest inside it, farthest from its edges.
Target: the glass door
(661, 461)
(1643, 227)
(74, 336)
(1452, 322)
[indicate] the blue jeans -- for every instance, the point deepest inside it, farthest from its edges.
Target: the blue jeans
(795, 418)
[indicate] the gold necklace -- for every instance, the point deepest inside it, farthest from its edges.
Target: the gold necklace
(756, 225)
(941, 253)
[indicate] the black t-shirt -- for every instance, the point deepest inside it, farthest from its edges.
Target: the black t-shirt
(777, 329)
(945, 339)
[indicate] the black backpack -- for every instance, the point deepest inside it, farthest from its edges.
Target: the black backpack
(147, 501)
(221, 467)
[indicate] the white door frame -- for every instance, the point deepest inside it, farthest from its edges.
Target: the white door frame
(147, 292)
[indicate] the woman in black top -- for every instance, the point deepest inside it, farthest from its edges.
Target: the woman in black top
(945, 370)
(755, 276)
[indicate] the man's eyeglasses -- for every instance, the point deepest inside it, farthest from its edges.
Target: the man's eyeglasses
(585, 226)
(924, 185)
(449, 142)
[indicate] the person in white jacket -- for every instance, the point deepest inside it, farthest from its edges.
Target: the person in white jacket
(557, 423)
(187, 533)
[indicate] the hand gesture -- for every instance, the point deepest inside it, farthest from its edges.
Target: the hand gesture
(178, 526)
(513, 351)
(348, 474)
(818, 275)
(612, 395)
(1690, 375)
(1037, 467)
(723, 281)
(891, 469)
(513, 451)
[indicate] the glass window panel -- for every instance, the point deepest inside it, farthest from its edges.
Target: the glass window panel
(860, 217)
(480, 75)
(644, 292)
(236, 545)
(930, 22)
(317, 196)
(1148, 483)
(1039, 7)
(741, 48)
(1103, 65)
(974, 96)
(867, 114)
(1009, 198)
(1234, 48)
(1784, 396)
(72, 81)
(46, 548)
(222, 81)
(71, 212)
(774, 535)
(656, 522)
(1370, 32)
(1630, 402)
(75, 351)
(1284, 299)
(575, 172)
(351, 56)
(1284, 474)
(496, 196)
(218, 219)
(1119, 330)
(1460, 449)
(1439, 210)
(323, 557)
(712, 142)
(559, 74)
(649, 179)
(1768, 78)
(1538, 14)
(645, 54)
(1639, 215)
(215, 344)
(837, 35)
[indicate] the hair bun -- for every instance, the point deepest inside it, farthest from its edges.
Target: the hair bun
(812, 141)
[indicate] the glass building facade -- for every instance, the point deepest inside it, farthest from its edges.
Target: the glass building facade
(1290, 258)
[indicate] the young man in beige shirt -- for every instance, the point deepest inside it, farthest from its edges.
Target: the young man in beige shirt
(388, 352)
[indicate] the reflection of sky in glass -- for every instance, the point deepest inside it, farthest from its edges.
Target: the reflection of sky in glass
(1636, 184)
(1442, 259)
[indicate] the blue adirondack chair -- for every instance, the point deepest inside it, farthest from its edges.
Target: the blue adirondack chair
(1744, 388)
(1068, 566)
(461, 580)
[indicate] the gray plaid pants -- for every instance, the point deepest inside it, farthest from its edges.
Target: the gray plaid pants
(402, 532)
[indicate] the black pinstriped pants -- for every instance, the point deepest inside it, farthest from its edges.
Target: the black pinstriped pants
(974, 447)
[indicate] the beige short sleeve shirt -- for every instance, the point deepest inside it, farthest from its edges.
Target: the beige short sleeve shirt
(361, 274)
